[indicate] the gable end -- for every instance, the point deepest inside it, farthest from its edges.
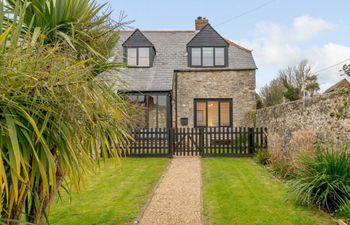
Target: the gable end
(208, 37)
(137, 39)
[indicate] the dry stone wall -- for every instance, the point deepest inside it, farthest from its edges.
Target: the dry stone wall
(327, 116)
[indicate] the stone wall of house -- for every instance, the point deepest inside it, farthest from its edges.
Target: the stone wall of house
(238, 85)
(326, 116)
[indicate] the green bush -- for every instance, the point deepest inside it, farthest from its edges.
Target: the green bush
(262, 157)
(323, 179)
(344, 211)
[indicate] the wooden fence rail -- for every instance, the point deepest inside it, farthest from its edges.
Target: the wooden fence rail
(205, 142)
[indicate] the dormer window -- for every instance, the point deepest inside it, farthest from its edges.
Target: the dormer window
(208, 56)
(138, 50)
(138, 56)
(207, 49)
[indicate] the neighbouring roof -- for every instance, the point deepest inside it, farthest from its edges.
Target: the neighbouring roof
(171, 55)
(341, 84)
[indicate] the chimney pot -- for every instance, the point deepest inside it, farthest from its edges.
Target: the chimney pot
(201, 22)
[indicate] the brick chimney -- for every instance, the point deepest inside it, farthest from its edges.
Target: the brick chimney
(201, 22)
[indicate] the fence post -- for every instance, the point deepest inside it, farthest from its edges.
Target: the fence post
(251, 147)
(201, 142)
(170, 142)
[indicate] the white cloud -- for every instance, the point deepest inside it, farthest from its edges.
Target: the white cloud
(277, 46)
(307, 27)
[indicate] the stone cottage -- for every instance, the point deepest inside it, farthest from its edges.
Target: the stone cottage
(186, 78)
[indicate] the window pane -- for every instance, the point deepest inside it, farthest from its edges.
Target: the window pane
(201, 114)
(208, 59)
(152, 111)
(133, 98)
(213, 114)
(143, 56)
(141, 99)
(140, 114)
(196, 56)
(131, 54)
(162, 112)
(219, 56)
(225, 114)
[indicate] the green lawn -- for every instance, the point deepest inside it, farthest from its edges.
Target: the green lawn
(115, 195)
(238, 191)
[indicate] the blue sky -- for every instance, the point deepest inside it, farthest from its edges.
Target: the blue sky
(280, 34)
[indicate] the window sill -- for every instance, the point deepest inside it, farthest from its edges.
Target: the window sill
(208, 67)
(139, 66)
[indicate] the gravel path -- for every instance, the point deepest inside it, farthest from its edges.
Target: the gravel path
(177, 199)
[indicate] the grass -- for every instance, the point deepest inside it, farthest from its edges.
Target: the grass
(238, 191)
(115, 195)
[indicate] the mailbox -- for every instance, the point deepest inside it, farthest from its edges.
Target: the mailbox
(184, 121)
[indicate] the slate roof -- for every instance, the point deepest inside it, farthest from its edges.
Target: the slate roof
(171, 55)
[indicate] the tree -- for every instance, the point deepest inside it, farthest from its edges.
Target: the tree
(290, 84)
(299, 82)
(56, 120)
(312, 85)
(259, 102)
(272, 93)
(346, 69)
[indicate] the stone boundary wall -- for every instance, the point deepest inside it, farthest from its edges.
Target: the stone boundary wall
(327, 116)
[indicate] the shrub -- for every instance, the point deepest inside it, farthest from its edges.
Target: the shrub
(282, 169)
(323, 179)
(275, 148)
(279, 157)
(262, 157)
(344, 211)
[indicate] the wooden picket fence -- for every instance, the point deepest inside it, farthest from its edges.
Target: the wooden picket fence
(205, 142)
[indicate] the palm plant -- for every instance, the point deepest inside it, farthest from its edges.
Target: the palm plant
(80, 24)
(56, 120)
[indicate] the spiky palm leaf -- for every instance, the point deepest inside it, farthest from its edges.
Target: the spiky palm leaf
(55, 119)
(80, 24)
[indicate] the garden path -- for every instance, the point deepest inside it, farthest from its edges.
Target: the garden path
(177, 199)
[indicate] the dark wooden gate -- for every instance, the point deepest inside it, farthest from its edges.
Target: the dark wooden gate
(187, 141)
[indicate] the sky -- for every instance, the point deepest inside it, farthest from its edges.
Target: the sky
(281, 33)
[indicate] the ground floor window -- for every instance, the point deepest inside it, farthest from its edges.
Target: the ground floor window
(213, 112)
(153, 109)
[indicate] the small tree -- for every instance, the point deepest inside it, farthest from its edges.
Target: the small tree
(259, 102)
(272, 93)
(299, 82)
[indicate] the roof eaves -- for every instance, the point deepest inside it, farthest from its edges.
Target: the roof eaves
(231, 43)
(212, 69)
